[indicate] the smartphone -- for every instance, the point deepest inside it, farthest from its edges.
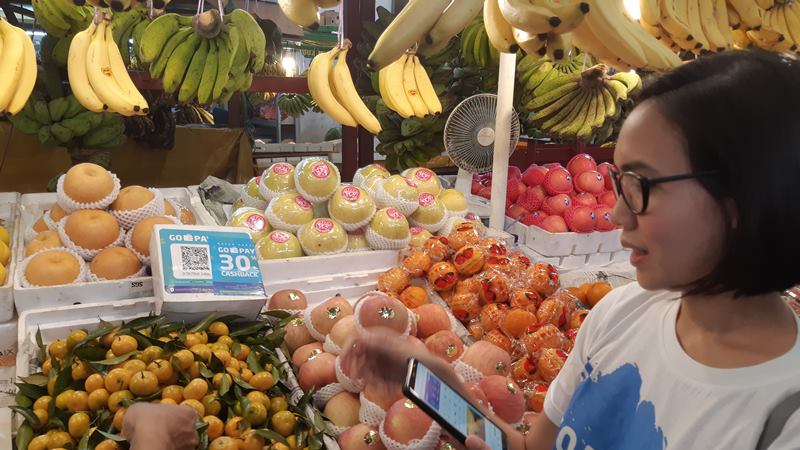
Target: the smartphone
(448, 408)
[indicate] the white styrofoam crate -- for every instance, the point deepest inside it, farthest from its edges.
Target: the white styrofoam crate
(190, 307)
(30, 209)
(8, 361)
(9, 210)
(578, 262)
(566, 244)
(322, 277)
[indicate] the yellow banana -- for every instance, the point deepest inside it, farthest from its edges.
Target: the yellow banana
(721, 17)
(559, 46)
(733, 17)
(120, 73)
(452, 21)
(528, 17)
(425, 88)
(320, 88)
(675, 25)
(76, 70)
(101, 79)
(650, 12)
(749, 12)
(501, 36)
(27, 78)
(398, 100)
(533, 44)
(410, 88)
(696, 23)
(765, 4)
(302, 13)
(569, 13)
(793, 20)
(407, 28)
(10, 62)
(346, 90)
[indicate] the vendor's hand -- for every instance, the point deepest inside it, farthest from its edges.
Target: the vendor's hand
(149, 426)
(380, 357)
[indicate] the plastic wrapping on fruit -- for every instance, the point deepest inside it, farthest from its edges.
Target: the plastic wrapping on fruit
(279, 245)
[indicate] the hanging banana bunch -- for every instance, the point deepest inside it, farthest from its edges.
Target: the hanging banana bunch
(17, 68)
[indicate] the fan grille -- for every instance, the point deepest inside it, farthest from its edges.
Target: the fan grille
(469, 133)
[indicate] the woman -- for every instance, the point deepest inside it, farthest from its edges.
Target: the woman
(697, 353)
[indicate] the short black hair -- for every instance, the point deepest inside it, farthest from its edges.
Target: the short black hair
(739, 114)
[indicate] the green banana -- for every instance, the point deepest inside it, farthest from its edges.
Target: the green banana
(209, 76)
(256, 41)
(124, 45)
(45, 136)
(57, 108)
(193, 75)
(46, 46)
(178, 63)
(25, 124)
(46, 18)
(60, 52)
(73, 107)
(102, 135)
(121, 21)
(225, 52)
(61, 133)
(80, 124)
(111, 120)
(157, 34)
(138, 33)
(241, 57)
(555, 106)
(482, 50)
(157, 67)
(71, 14)
(41, 113)
(95, 120)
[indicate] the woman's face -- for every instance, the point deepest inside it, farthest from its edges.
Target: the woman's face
(678, 239)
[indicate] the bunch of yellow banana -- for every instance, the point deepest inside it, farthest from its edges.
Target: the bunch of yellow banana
(122, 5)
(406, 88)
(608, 33)
(305, 13)
(331, 85)
(97, 74)
(780, 26)
(17, 68)
(582, 105)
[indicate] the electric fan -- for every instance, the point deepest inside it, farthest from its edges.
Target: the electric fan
(469, 138)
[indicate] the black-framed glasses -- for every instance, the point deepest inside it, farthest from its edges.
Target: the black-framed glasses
(634, 189)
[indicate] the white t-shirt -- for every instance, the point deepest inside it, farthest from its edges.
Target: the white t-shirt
(629, 385)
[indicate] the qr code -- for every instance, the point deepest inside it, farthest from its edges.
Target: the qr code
(191, 261)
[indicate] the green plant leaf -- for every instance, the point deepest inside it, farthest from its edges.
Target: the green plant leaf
(92, 353)
(271, 435)
(203, 324)
(113, 437)
(116, 360)
(28, 414)
(37, 379)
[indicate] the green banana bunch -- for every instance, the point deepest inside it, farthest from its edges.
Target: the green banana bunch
(409, 142)
(294, 105)
(63, 121)
(581, 106)
(197, 64)
(475, 47)
(61, 18)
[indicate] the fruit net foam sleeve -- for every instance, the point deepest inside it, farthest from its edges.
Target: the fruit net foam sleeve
(370, 413)
(129, 245)
(155, 207)
(23, 281)
(350, 385)
(85, 253)
(71, 205)
(428, 441)
(378, 242)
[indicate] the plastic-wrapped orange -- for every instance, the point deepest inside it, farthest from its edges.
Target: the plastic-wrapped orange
(517, 321)
(499, 339)
(393, 280)
(442, 276)
(550, 362)
(469, 260)
(492, 316)
(596, 293)
(438, 248)
(494, 247)
(414, 296)
(472, 285)
(577, 318)
(552, 311)
(525, 298)
(495, 287)
(542, 281)
(417, 263)
(475, 329)
(465, 306)
(523, 370)
(535, 393)
(579, 293)
(546, 336)
(502, 264)
(464, 234)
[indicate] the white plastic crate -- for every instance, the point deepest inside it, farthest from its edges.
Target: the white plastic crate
(322, 277)
(30, 209)
(9, 210)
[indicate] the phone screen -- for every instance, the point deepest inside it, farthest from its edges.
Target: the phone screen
(440, 399)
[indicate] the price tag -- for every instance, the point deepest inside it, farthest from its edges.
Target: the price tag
(209, 262)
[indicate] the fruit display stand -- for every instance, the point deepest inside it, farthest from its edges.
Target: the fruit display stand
(31, 208)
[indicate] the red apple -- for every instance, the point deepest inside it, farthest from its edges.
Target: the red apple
(554, 224)
(581, 163)
(534, 176)
(515, 212)
(485, 192)
(608, 198)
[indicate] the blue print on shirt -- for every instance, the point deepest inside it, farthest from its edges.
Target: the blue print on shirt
(606, 413)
